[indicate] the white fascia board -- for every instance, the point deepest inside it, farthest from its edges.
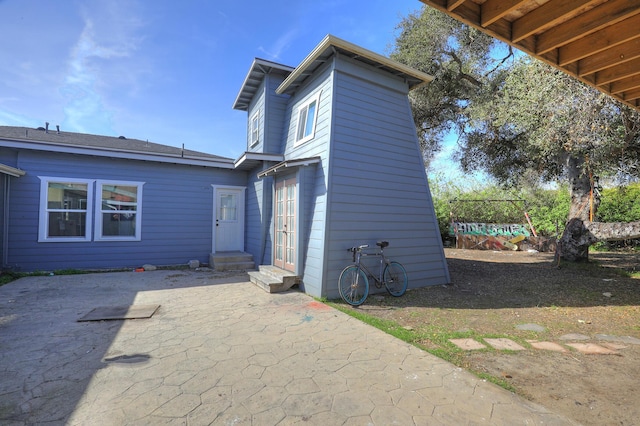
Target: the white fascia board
(330, 40)
(257, 156)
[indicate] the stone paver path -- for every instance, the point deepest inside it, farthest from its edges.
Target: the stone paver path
(609, 346)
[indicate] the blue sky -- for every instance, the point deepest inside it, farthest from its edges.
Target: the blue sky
(164, 71)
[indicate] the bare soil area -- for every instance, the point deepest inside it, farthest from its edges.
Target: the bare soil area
(493, 294)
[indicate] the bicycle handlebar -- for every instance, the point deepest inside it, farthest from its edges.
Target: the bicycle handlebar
(353, 250)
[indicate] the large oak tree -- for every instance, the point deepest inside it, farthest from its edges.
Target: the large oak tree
(520, 120)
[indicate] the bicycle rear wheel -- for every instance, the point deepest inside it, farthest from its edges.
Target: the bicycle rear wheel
(353, 285)
(395, 279)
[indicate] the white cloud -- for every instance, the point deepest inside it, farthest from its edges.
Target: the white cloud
(8, 118)
(98, 62)
(281, 45)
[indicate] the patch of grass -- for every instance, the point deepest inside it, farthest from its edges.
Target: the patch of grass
(70, 272)
(389, 327)
(497, 381)
(432, 339)
(9, 276)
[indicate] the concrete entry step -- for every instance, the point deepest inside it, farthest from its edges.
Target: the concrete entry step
(273, 279)
(231, 261)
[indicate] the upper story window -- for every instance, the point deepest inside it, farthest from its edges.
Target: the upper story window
(307, 115)
(254, 129)
(65, 209)
(119, 215)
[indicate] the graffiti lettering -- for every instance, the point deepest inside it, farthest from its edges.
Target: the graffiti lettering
(492, 229)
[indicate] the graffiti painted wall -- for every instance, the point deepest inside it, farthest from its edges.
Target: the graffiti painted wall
(489, 229)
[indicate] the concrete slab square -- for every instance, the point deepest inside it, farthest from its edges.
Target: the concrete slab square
(531, 327)
(592, 349)
(614, 346)
(618, 339)
(467, 344)
(548, 346)
(504, 344)
(120, 312)
(574, 336)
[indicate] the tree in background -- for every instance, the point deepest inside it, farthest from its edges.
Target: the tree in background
(460, 59)
(521, 121)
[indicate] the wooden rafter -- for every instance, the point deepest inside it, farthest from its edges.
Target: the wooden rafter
(596, 41)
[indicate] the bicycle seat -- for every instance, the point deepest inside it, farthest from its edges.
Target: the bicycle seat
(382, 244)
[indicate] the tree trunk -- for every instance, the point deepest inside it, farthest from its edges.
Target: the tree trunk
(574, 243)
(579, 235)
(584, 203)
(580, 232)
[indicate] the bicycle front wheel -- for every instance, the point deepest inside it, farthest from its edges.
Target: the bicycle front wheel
(395, 279)
(353, 285)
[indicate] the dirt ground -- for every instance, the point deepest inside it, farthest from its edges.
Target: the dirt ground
(494, 292)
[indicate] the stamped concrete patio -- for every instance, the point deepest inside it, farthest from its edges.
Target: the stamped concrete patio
(219, 350)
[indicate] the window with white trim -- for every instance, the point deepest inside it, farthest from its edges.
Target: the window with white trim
(65, 209)
(307, 115)
(254, 129)
(118, 211)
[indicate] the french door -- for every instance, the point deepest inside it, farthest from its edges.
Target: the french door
(285, 224)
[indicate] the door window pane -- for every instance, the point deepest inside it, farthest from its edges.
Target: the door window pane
(228, 207)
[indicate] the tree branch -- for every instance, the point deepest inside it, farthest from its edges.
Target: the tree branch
(501, 62)
(461, 73)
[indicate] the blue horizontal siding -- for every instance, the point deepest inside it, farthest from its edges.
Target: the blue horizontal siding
(312, 180)
(378, 188)
(275, 112)
(177, 214)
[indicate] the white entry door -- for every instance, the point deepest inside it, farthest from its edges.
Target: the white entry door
(228, 227)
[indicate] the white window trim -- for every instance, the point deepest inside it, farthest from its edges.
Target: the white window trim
(98, 214)
(43, 226)
(254, 131)
(315, 98)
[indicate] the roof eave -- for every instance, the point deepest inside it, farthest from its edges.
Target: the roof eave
(225, 163)
(289, 164)
(249, 160)
(331, 40)
(238, 104)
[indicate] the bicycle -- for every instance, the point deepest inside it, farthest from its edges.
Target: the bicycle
(353, 283)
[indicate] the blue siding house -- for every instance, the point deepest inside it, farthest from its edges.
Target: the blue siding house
(92, 202)
(350, 169)
(332, 161)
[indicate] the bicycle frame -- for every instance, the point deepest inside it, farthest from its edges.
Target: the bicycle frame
(383, 261)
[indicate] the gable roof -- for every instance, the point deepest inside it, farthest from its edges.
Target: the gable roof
(106, 146)
(595, 41)
(259, 68)
(330, 45)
